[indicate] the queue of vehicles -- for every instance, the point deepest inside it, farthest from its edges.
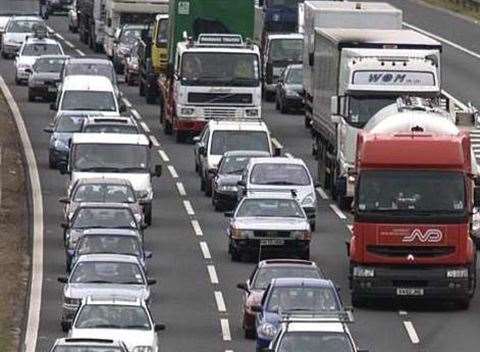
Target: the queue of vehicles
(384, 135)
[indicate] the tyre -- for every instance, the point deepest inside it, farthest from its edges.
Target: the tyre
(472, 271)
(250, 334)
(167, 127)
(269, 96)
(283, 107)
(141, 88)
(234, 254)
(307, 122)
(208, 187)
(313, 226)
(277, 104)
(202, 184)
(65, 327)
(357, 302)
(31, 96)
(148, 214)
(51, 162)
(17, 81)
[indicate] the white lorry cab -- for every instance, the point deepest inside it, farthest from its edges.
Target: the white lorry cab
(112, 155)
(87, 93)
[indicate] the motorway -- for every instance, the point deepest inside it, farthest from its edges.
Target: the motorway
(196, 295)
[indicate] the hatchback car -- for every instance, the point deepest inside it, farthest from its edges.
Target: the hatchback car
(88, 345)
(117, 318)
(230, 169)
(260, 278)
(267, 223)
(102, 274)
(17, 30)
(293, 296)
(289, 89)
(44, 77)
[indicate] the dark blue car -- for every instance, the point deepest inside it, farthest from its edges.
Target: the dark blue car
(293, 296)
(62, 130)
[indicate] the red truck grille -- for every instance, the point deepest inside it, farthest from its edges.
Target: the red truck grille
(416, 251)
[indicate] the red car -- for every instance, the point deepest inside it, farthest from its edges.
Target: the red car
(264, 272)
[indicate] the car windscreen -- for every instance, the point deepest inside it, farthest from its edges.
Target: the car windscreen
(102, 193)
(103, 128)
(69, 124)
(49, 64)
(265, 275)
(103, 272)
(104, 218)
(111, 158)
(280, 175)
(39, 49)
(98, 316)
(85, 348)
(91, 244)
(89, 69)
(295, 76)
(302, 298)
(287, 208)
(22, 26)
(315, 342)
(233, 164)
(224, 141)
(82, 100)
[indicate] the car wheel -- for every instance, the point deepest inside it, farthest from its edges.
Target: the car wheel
(141, 89)
(31, 96)
(167, 127)
(208, 186)
(148, 214)
(283, 106)
(357, 302)
(17, 81)
(250, 334)
(235, 255)
(277, 103)
(202, 183)
(51, 162)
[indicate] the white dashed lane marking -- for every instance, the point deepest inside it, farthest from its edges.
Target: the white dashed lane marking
(154, 141)
(181, 189)
(205, 250)
(322, 193)
(188, 207)
(136, 114)
(164, 156)
(337, 211)
(196, 228)
(220, 302)
(412, 333)
(79, 52)
(172, 171)
(225, 330)
(213, 274)
(145, 127)
(70, 45)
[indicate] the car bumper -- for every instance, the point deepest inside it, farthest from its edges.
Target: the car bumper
(44, 91)
(294, 102)
(311, 213)
(394, 283)
(191, 126)
(253, 246)
(10, 49)
(226, 200)
(21, 74)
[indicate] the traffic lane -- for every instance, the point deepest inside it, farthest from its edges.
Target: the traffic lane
(23, 6)
(440, 22)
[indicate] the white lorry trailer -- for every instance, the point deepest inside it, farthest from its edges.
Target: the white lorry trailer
(357, 73)
(122, 12)
(333, 14)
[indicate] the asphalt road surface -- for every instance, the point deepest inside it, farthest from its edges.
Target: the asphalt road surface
(196, 295)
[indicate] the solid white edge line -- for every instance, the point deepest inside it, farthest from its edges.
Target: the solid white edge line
(172, 171)
(59, 36)
(455, 100)
(188, 207)
(205, 250)
(220, 302)
(145, 127)
(321, 192)
(196, 228)
(225, 330)
(337, 211)
(412, 333)
(35, 299)
(136, 114)
(79, 52)
(181, 189)
(288, 155)
(441, 39)
(154, 141)
(213, 274)
(70, 45)
(164, 156)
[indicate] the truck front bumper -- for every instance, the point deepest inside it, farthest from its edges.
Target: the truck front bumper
(191, 126)
(252, 246)
(409, 282)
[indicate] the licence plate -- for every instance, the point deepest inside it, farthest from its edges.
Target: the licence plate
(272, 242)
(409, 291)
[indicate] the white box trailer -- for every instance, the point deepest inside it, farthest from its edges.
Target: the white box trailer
(335, 14)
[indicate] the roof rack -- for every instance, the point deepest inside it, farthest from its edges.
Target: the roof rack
(321, 316)
(292, 192)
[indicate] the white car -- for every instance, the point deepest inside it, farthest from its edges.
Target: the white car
(117, 318)
(30, 51)
(17, 30)
(73, 17)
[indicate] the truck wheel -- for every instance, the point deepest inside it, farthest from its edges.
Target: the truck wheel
(250, 334)
(472, 285)
(148, 214)
(357, 302)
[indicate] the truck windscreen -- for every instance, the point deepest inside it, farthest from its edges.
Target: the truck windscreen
(411, 191)
(361, 108)
(99, 157)
(220, 69)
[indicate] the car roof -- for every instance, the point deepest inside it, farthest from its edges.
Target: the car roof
(110, 138)
(294, 67)
(89, 61)
(95, 83)
(121, 258)
(240, 125)
(103, 180)
(302, 282)
(53, 57)
(85, 341)
(286, 262)
(110, 120)
(106, 205)
(33, 40)
(246, 153)
(278, 160)
(312, 326)
(26, 18)
(110, 232)
(122, 300)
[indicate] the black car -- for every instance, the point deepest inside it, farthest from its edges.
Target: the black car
(45, 76)
(289, 89)
(58, 5)
(230, 168)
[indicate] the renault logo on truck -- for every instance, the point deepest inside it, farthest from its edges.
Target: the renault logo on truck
(430, 235)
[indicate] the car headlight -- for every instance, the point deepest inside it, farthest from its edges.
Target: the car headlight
(251, 112)
(187, 111)
(142, 349)
(303, 235)
(360, 271)
(309, 201)
(227, 188)
(292, 93)
(238, 234)
(267, 331)
(457, 273)
(59, 144)
(73, 301)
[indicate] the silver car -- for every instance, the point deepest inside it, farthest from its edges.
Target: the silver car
(104, 275)
(268, 223)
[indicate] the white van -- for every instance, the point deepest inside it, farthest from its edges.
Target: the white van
(81, 93)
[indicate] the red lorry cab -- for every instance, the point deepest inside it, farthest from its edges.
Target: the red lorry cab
(413, 204)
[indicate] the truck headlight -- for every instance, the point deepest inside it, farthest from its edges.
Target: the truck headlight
(187, 111)
(360, 271)
(303, 235)
(251, 112)
(309, 201)
(238, 234)
(227, 188)
(267, 331)
(457, 273)
(142, 349)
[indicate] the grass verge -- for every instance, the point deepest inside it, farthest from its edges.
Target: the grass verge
(455, 7)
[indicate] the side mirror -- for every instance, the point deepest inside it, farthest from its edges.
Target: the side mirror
(196, 139)
(228, 214)
(243, 286)
(122, 108)
(334, 105)
(241, 183)
(151, 281)
(64, 200)
(63, 167)
(476, 196)
(48, 129)
(148, 254)
(256, 309)
(159, 327)
(53, 106)
(212, 172)
(62, 279)
(158, 171)
(65, 225)
(202, 150)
